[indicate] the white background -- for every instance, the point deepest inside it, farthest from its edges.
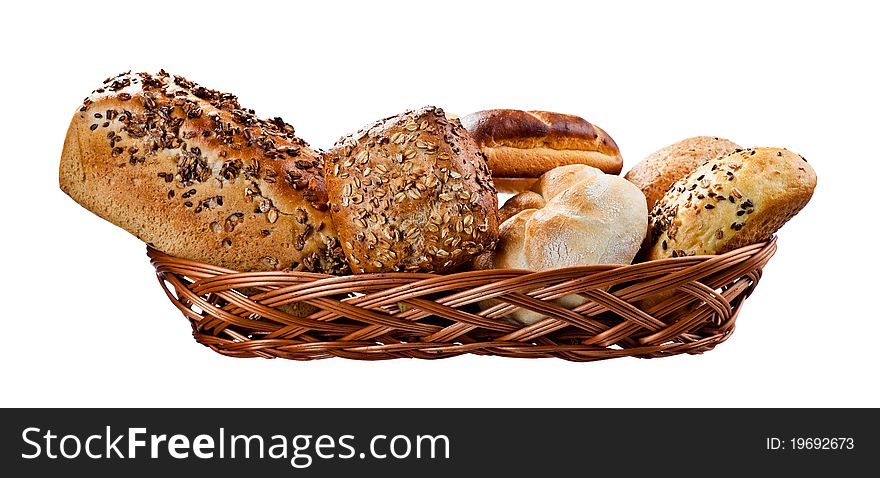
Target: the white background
(85, 323)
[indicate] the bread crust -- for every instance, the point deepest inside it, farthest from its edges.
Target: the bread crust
(655, 174)
(192, 173)
(526, 144)
(520, 202)
(730, 202)
(513, 185)
(411, 193)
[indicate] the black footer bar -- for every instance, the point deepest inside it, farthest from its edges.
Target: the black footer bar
(437, 442)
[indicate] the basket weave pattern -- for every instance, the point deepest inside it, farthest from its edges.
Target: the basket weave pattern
(694, 304)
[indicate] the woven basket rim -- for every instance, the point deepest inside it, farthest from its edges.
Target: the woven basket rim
(157, 255)
(650, 309)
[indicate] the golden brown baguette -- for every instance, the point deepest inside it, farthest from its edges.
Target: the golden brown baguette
(523, 145)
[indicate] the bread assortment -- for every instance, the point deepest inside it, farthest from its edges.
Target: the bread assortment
(192, 173)
(523, 145)
(730, 202)
(411, 193)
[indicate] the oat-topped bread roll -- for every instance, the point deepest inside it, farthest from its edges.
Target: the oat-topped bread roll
(656, 173)
(730, 202)
(411, 193)
(523, 145)
(190, 171)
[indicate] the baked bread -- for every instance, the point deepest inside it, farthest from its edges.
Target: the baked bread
(730, 202)
(520, 202)
(574, 216)
(189, 171)
(411, 193)
(523, 145)
(656, 173)
(513, 185)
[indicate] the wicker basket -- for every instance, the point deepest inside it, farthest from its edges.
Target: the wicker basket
(694, 304)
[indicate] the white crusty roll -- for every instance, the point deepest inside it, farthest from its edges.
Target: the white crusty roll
(574, 216)
(189, 171)
(523, 145)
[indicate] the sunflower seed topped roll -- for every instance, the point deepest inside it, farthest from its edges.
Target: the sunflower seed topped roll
(193, 173)
(730, 202)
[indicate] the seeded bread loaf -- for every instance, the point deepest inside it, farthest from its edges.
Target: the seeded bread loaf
(523, 145)
(730, 202)
(189, 171)
(411, 193)
(656, 173)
